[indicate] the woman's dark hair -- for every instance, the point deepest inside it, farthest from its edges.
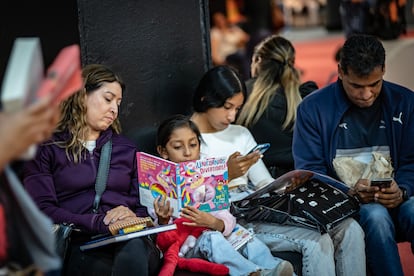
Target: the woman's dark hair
(168, 126)
(217, 85)
(362, 54)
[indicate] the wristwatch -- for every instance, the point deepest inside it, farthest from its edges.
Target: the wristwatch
(404, 194)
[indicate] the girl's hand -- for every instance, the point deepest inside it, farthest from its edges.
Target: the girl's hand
(238, 164)
(162, 209)
(118, 213)
(201, 219)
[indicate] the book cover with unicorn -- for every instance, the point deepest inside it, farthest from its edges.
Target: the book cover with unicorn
(201, 183)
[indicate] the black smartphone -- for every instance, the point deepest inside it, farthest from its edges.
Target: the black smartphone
(260, 147)
(381, 182)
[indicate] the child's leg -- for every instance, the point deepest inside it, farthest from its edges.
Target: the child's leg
(214, 247)
(257, 252)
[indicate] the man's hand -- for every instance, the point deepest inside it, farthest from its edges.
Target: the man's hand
(238, 164)
(389, 197)
(364, 191)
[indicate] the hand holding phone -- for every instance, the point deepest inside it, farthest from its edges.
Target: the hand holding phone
(381, 182)
(260, 147)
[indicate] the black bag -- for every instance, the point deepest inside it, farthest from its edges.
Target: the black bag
(312, 204)
(62, 234)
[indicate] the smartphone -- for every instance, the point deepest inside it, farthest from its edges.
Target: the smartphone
(381, 182)
(260, 147)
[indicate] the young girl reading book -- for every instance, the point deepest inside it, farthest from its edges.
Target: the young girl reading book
(178, 140)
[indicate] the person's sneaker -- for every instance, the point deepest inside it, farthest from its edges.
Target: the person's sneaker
(285, 268)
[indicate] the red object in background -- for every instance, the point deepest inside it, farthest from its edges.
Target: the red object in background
(3, 235)
(63, 77)
(407, 258)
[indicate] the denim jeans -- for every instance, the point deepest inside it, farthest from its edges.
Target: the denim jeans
(382, 228)
(339, 252)
(214, 247)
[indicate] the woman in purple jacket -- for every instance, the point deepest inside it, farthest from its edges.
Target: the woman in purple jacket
(61, 179)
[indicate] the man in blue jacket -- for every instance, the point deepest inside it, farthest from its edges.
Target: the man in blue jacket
(358, 115)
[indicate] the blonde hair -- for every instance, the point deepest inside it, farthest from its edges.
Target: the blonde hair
(73, 118)
(275, 58)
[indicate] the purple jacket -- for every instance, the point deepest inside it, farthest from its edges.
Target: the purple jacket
(65, 191)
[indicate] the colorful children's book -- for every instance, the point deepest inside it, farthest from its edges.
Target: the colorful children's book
(201, 183)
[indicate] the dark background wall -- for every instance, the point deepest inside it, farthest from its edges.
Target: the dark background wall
(160, 48)
(55, 22)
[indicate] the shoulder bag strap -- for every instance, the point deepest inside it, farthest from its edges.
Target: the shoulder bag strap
(103, 172)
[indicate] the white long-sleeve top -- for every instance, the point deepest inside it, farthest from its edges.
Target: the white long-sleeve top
(226, 142)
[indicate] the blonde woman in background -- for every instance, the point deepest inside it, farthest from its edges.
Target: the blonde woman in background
(275, 92)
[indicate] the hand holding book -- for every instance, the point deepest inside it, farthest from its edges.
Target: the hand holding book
(163, 209)
(199, 218)
(24, 81)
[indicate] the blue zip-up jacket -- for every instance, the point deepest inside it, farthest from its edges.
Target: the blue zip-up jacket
(316, 131)
(65, 191)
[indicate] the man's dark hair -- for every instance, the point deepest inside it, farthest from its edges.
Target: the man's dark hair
(362, 54)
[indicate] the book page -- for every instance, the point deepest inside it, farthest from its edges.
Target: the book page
(25, 82)
(156, 177)
(204, 184)
(23, 75)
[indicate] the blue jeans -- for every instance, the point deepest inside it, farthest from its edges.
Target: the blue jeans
(339, 252)
(382, 228)
(214, 247)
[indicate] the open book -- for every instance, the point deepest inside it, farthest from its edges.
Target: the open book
(25, 80)
(108, 239)
(291, 179)
(23, 75)
(301, 198)
(201, 183)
